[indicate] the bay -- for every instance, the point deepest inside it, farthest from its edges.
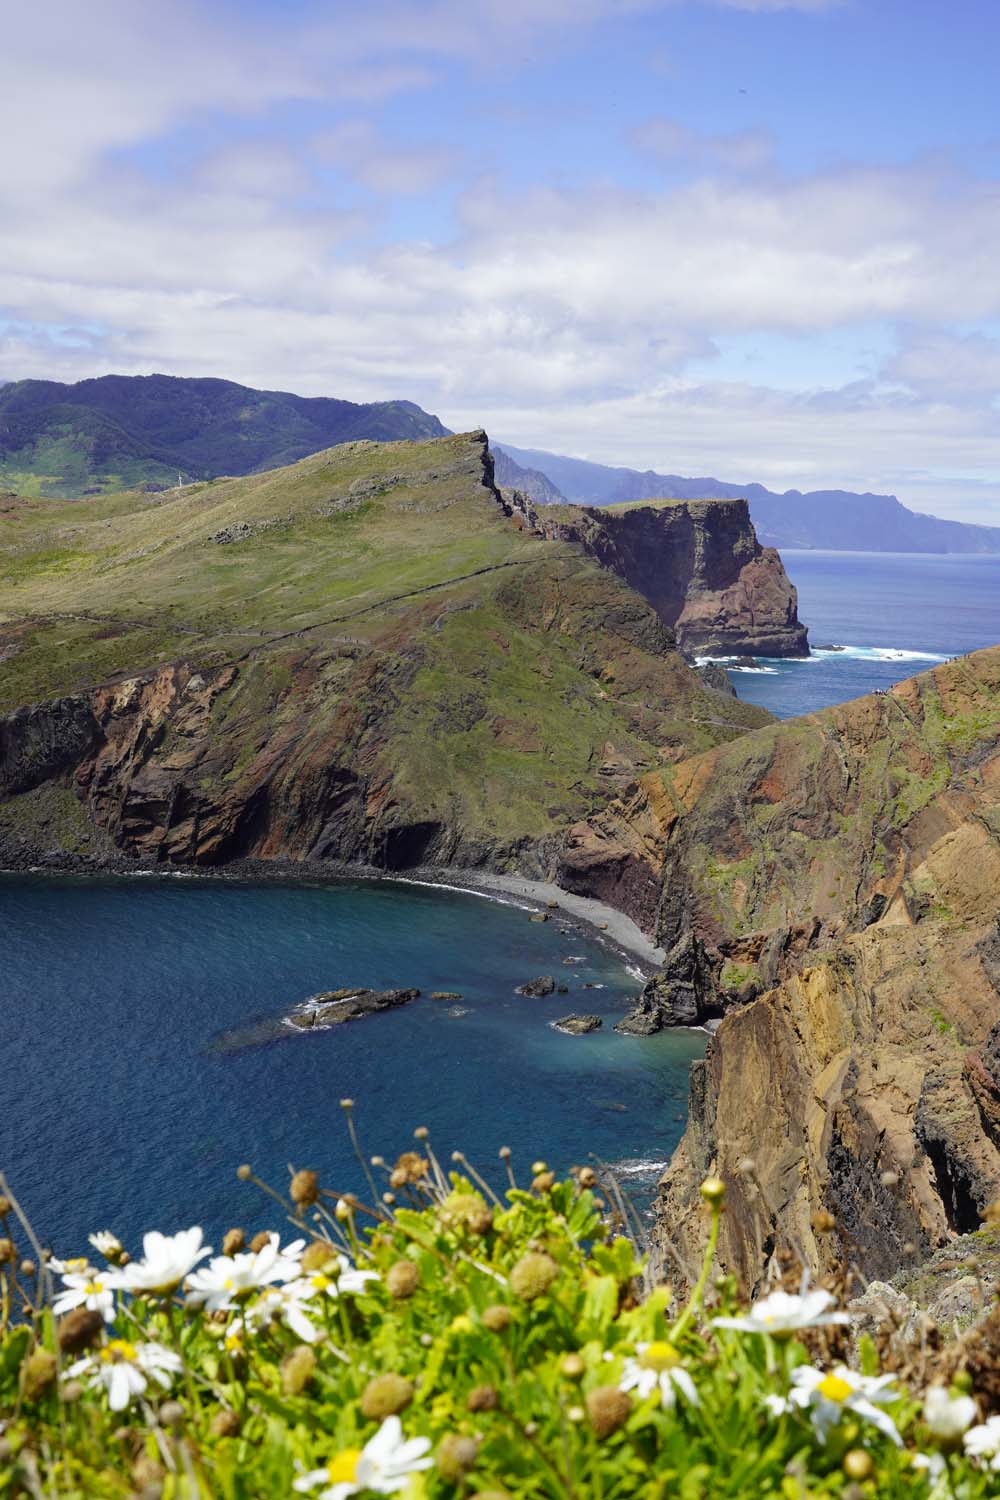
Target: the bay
(142, 1062)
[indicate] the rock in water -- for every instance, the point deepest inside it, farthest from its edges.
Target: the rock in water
(578, 1025)
(334, 1007)
(537, 989)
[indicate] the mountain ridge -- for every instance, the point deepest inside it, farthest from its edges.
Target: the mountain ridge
(838, 520)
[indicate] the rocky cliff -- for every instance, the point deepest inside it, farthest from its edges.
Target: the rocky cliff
(831, 887)
(699, 564)
(361, 658)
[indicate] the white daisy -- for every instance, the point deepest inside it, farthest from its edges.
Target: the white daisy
(125, 1369)
(947, 1417)
(86, 1289)
(384, 1465)
(658, 1367)
(285, 1304)
(782, 1314)
(828, 1396)
(230, 1279)
(106, 1244)
(983, 1442)
(167, 1259)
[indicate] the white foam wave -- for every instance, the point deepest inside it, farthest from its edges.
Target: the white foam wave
(877, 653)
(638, 1166)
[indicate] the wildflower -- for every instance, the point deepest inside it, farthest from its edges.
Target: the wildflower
(167, 1259)
(384, 1465)
(983, 1442)
(86, 1289)
(125, 1369)
(106, 1244)
(281, 1304)
(829, 1396)
(77, 1265)
(658, 1368)
(229, 1279)
(947, 1417)
(782, 1314)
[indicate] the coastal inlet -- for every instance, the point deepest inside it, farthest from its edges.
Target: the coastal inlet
(149, 1056)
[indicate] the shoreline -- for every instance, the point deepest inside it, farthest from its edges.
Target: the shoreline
(604, 924)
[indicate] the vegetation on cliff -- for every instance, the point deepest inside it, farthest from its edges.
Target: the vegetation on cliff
(440, 1340)
(830, 887)
(259, 666)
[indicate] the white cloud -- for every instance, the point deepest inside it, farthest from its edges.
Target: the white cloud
(963, 366)
(743, 151)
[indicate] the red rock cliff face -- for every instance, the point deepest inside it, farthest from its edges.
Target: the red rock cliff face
(699, 564)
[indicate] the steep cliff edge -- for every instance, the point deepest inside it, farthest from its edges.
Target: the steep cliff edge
(356, 659)
(832, 887)
(699, 564)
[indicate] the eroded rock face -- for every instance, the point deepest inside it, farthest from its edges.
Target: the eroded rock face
(699, 564)
(841, 875)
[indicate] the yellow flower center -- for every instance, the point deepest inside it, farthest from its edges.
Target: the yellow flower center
(343, 1468)
(659, 1356)
(118, 1349)
(833, 1388)
(93, 1286)
(321, 1282)
(78, 1263)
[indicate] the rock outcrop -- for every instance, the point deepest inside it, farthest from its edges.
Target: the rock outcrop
(833, 886)
(699, 564)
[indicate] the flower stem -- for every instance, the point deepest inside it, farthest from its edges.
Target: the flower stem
(698, 1292)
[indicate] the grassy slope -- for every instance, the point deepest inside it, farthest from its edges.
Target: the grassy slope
(382, 601)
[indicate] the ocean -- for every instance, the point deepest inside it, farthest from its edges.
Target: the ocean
(144, 1060)
(891, 615)
(143, 1056)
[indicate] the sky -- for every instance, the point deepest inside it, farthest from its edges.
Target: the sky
(752, 239)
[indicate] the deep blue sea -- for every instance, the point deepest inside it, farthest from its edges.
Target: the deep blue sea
(141, 1063)
(895, 613)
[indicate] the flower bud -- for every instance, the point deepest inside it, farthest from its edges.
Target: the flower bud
(482, 1398)
(79, 1329)
(233, 1241)
(402, 1280)
(504, 1153)
(713, 1190)
(587, 1177)
(7, 1251)
(38, 1372)
(533, 1275)
(542, 1182)
(385, 1396)
(347, 1103)
(171, 1415)
(5, 1206)
(497, 1318)
(538, 1166)
(297, 1369)
(304, 1188)
(608, 1409)
(28, 1268)
(317, 1255)
(572, 1367)
(456, 1455)
(858, 1464)
(245, 1172)
(421, 1133)
(225, 1423)
(70, 1391)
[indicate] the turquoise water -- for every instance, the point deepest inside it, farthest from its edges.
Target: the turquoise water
(142, 1064)
(895, 613)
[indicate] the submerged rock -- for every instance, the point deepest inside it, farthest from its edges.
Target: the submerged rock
(334, 1007)
(578, 1025)
(537, 989)
(444, 995)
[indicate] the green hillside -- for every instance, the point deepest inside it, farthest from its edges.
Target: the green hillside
(360, 656)
(122, 431)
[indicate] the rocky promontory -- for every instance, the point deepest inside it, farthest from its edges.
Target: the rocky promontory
(699, 564)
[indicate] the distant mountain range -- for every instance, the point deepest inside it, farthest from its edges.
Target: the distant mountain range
(125, 430)
(837, 519)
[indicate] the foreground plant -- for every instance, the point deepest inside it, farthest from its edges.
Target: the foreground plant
(437, 1341)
